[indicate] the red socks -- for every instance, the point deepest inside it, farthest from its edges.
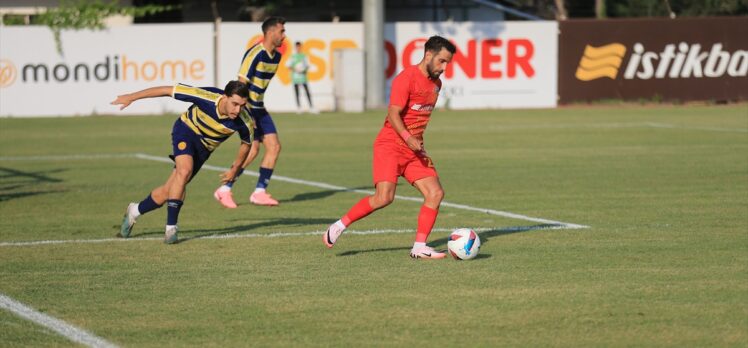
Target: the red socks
(426, 220)
(359, 211)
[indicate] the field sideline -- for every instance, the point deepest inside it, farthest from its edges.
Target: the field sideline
(602, 226)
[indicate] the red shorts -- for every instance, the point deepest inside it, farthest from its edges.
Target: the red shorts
(393, 159)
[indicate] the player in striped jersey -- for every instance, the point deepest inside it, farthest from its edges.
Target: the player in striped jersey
(258, 67)
(212, 118)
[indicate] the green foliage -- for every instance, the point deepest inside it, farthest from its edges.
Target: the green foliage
(89, 14)
(658, 8)
(270, 6)
(11, 19)
(709, 7)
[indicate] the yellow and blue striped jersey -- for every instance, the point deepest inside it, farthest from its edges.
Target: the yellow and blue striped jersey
(204, 119)
(258, 68)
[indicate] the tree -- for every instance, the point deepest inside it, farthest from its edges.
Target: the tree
(656, 8)
(85, 14)
(561, 10)
(600, 9)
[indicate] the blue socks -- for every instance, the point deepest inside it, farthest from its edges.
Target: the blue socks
(238, 174)
(264, 179)
(172, 211)
(147, 205)
(172, 208)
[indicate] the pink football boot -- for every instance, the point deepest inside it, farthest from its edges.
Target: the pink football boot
(226, 198)
(262, 198)
(427, 252)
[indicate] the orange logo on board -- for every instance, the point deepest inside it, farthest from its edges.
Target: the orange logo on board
(182, 145)
(599, 62)
(8, 73)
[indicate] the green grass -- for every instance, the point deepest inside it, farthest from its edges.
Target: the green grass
(664, 263)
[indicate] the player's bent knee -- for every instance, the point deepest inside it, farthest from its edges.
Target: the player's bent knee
(381, 201)
(438, 194)
(183, 174)
(434, 195)
(274, 148)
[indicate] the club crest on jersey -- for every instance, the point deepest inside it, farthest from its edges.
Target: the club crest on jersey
(182, 145)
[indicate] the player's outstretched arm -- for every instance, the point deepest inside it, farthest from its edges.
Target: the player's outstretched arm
(126, 99)
(237, 166)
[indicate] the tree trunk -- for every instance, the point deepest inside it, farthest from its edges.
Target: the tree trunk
(600, 9)
(560, 10)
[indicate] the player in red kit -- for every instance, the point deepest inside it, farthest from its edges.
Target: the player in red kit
(399, 150)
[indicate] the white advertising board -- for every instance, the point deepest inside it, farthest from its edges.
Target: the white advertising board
(96, 66)
(319, 41)
(498, 64)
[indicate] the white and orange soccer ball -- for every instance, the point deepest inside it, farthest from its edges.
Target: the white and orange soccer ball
(463, 244)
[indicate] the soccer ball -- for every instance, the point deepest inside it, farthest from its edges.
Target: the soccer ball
(463, 244)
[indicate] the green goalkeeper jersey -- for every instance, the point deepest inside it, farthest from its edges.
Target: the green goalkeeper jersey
(298, 65)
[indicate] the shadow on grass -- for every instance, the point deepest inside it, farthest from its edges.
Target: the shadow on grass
(203, 233)
(486, 236)
(441, 243)
(34, 177)
(13, 195)
(379, 250)
(12, 180)
(308, 196)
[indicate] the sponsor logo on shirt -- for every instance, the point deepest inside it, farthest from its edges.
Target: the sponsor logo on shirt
(419, 107)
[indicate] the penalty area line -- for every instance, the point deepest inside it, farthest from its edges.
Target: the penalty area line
(64, 329)
(288, 234)
(369, 192)
(295, 181)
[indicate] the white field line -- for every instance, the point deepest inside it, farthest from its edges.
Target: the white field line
(709, 129)
(368, 192)
(66, 157)
(285, 234)
(66, 330)
(607, 125)
(310, 183)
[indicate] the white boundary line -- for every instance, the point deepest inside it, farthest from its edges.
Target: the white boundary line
(69, 331)
(709, 129)
(66, 157)
(559, 224)
(368, 192)
(286, 234)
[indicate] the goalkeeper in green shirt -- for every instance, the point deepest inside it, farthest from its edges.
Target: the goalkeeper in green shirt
(299, 64)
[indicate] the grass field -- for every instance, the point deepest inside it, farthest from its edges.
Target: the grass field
(663, 262)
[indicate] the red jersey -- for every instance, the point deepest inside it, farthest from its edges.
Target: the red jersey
(417, 95)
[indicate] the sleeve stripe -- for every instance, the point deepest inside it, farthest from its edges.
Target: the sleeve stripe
(249, 59)
(196, 92)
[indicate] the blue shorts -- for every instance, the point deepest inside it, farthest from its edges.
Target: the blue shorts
(263, 122)
(185, 142)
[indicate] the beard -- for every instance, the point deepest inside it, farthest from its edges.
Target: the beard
(432, 73)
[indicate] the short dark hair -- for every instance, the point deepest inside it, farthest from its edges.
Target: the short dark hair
(436, 43)
(237, 87)
(271, 22)
(298, 43)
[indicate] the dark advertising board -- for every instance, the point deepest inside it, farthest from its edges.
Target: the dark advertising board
(654, 59)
